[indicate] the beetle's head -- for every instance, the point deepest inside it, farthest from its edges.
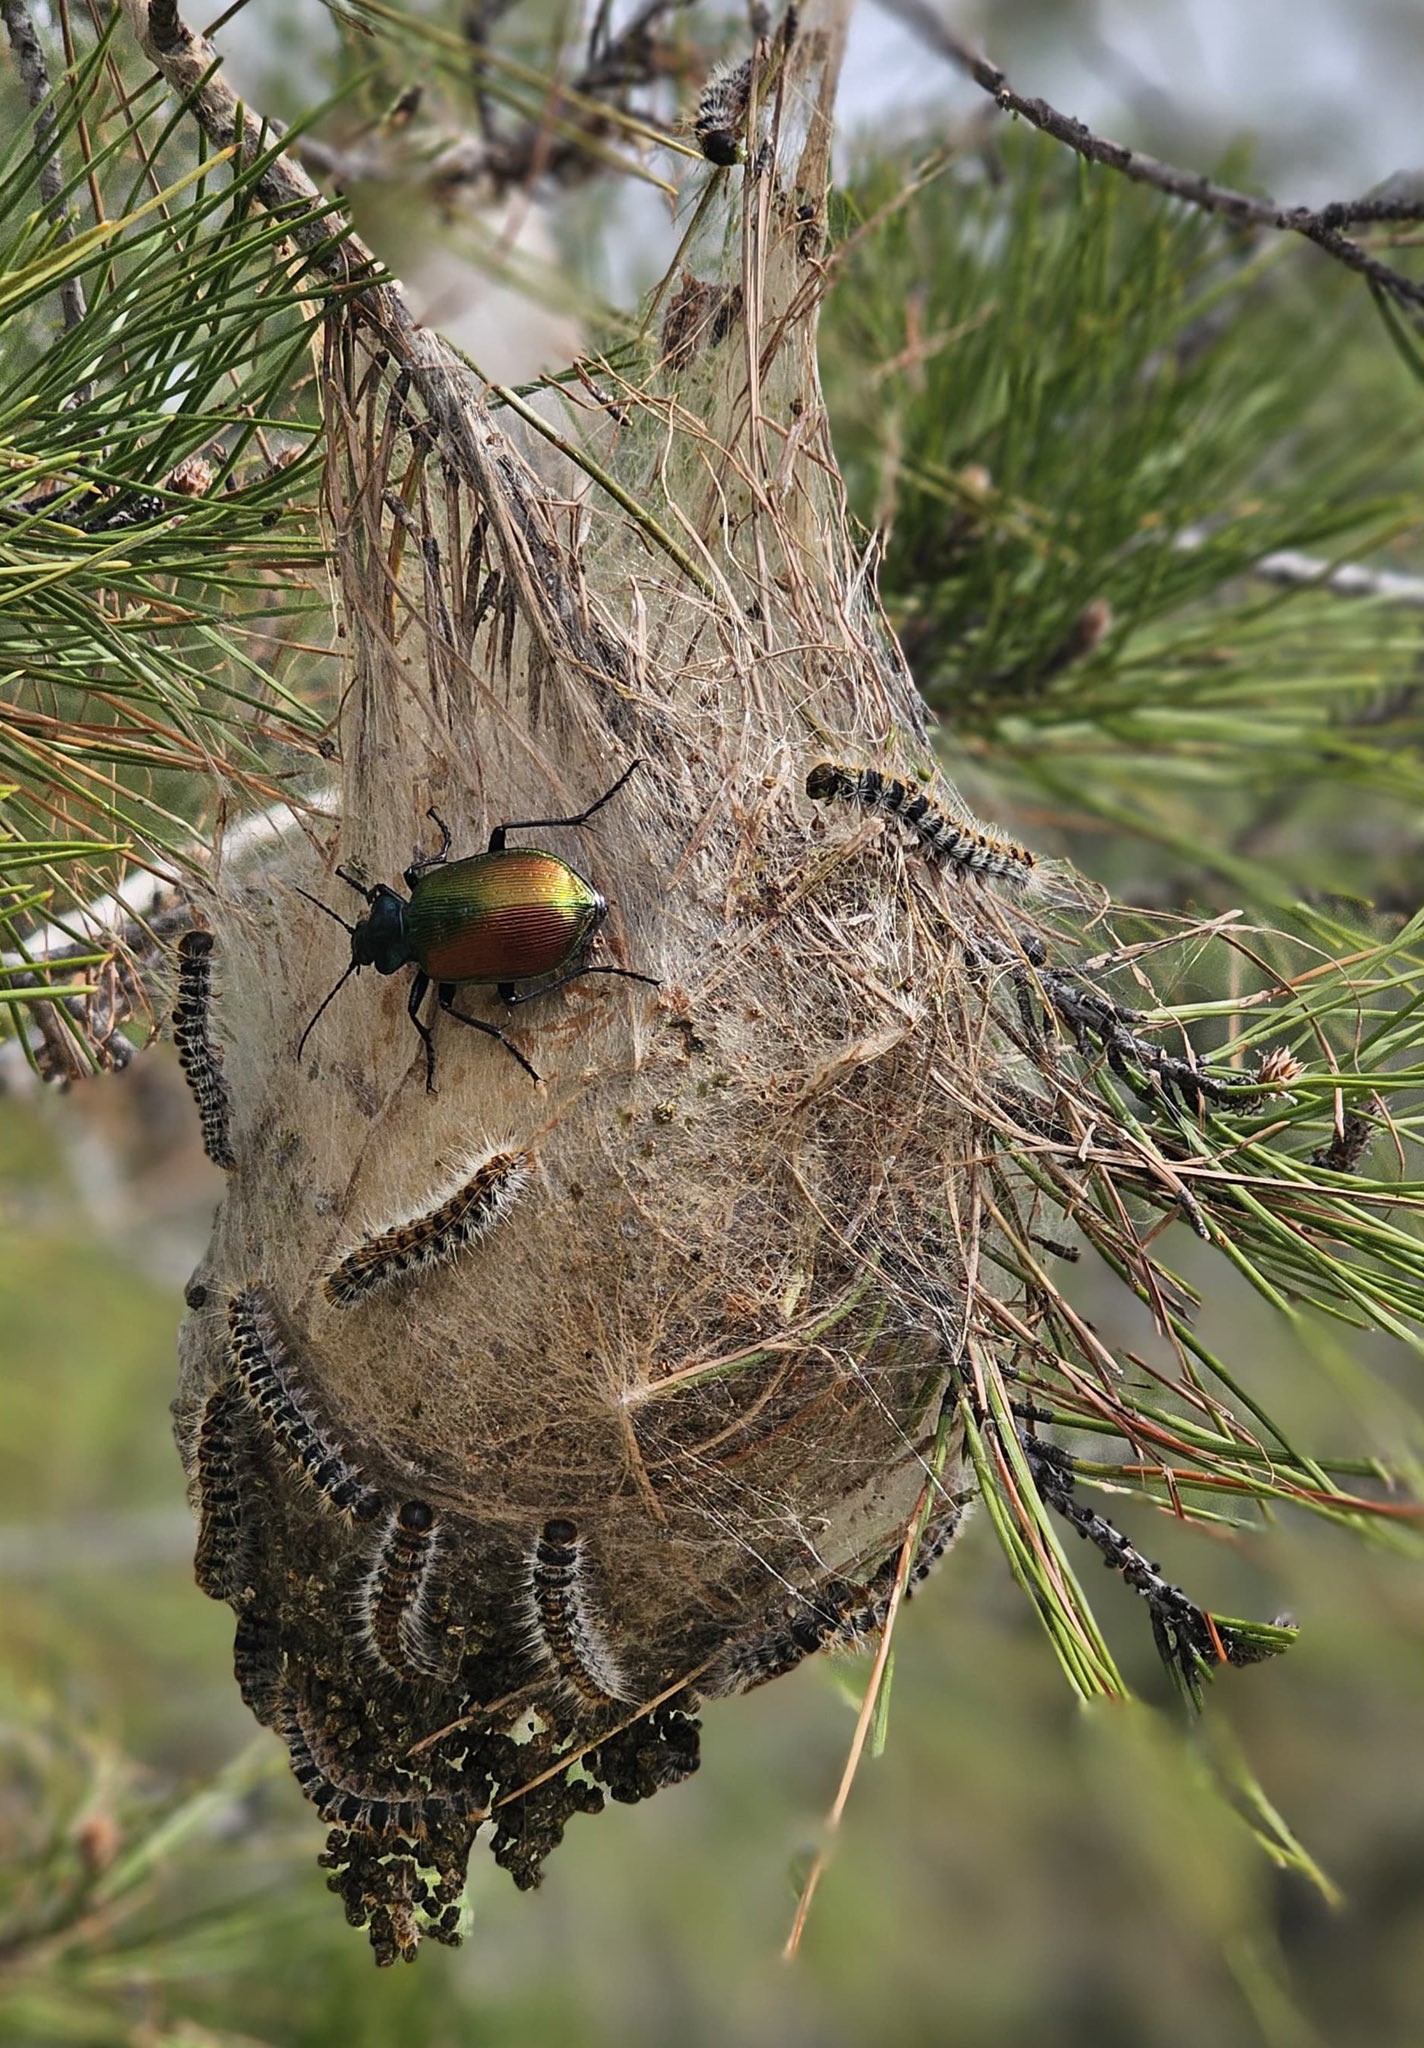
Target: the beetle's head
(379, 940)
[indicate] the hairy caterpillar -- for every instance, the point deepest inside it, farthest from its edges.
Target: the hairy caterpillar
(838, 1616)
(721, 114)
(260, 1364)
(257, 1664)
(392, 1601)
(197, 1055)
(940, 839)
(561, 1628)
(220, 1559)
(457, 1220)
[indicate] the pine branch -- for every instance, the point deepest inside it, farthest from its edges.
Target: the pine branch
(34, 75)
(1321, 226)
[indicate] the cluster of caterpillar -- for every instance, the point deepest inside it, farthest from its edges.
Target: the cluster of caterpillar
(343, 1800)
(265, 1377)
(561, 1630)
(458, 1219)
(393, 1594)
(197, 1055)
(963, 848)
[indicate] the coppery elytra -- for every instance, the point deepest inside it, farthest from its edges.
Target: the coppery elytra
(508, 915)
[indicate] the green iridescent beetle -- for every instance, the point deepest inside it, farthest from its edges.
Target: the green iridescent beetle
(511, 914)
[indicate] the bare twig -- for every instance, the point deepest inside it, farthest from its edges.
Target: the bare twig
(1293, 569)
(1322, 226)
(34, 76)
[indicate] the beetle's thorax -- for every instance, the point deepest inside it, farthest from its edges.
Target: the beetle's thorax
(380, 940)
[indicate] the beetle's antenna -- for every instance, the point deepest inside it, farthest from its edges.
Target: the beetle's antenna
(368, 895)
(302, 1041)
(334, 914)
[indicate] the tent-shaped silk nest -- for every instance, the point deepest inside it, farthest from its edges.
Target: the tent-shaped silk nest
(524, 1418)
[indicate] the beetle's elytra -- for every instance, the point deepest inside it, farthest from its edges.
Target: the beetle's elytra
(508, 915)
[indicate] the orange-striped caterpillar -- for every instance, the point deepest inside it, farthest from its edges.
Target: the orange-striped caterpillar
(393, 1594)
(197, 1055)
(561, 1631)
(220, 1559)
(942, 840)
(265, 1377)
(458, 1219)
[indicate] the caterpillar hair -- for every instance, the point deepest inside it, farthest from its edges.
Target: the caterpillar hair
(948, 844)
(199, 1058)
(393, 1595)
(562, 1632)
(266, 1379)
(720, 121)
(456, 1221)
(220, 1559)
(257, 1664)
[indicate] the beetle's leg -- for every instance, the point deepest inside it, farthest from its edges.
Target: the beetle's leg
(447, 1003)
(416, 997)
(496, 844)
(513, 995)
(428, 861)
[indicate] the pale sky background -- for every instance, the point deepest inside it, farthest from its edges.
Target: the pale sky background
(1332, 90)
(1329, 94)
